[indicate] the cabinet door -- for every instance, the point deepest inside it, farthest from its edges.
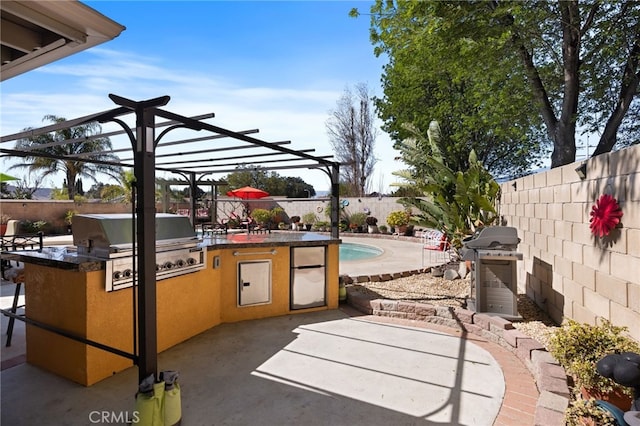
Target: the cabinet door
(254, 282)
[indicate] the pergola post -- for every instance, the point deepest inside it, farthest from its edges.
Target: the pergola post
(335, 199)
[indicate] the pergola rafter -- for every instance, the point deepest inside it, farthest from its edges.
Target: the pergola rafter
(144, 143)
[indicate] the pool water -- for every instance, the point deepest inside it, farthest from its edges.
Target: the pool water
(351, 251)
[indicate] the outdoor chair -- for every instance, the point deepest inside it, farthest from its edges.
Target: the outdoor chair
(18, 278)
(436, 249)
(12, 241)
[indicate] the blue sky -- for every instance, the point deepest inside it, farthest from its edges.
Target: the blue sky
(276, 66)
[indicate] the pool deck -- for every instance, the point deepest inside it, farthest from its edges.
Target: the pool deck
(398, 256)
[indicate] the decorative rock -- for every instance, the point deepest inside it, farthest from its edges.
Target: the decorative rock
(463, 270)
(451, 274)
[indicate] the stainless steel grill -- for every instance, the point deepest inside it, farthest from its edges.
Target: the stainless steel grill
(493, 251)
(110, 237)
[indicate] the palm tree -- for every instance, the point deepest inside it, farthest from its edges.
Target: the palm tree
(51, 159)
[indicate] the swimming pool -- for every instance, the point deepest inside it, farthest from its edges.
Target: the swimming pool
(353, 251)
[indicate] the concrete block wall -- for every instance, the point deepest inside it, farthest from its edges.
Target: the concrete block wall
(568, 271)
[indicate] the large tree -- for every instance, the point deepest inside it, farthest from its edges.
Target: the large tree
(50, 160)
(505, 78)
(352, 135)
(271, 182)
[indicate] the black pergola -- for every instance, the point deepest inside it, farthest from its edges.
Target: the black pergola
(144, 143)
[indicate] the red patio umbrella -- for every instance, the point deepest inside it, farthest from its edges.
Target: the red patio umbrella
(248, 193)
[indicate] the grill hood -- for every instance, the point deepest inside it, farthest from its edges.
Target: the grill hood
(105, 234)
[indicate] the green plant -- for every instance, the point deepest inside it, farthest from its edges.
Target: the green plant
(578, 347)
(456, 201)
(321, 226)
(358, 218)
(68, 216)
(309, 218)
(586, 411)
(398, 218)
(33, 227)
(261, 216)
(277, 213)
(383, 229)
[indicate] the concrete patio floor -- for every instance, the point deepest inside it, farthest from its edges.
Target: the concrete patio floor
(325, 368)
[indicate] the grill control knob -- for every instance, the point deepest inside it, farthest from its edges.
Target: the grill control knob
(158, 267)
(117, 275)
(168, 265)
(127, 273)
(180, 263)
(191, 261)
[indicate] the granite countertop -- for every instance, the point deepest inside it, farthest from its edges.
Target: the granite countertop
(244, 240)
(67, 257)
(62, 257)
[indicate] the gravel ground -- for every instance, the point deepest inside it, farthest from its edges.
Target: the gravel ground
(439, 291)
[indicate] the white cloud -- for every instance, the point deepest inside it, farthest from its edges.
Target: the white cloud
(293, 113)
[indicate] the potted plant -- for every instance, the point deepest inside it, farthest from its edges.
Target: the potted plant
(262, 217)
(399, 219)
(320, 226)
(295, 222)
(383, 229)
(372, 224)
(578, 347)
(357, 221)
(309, 219)
(583, 412)
(277, 214)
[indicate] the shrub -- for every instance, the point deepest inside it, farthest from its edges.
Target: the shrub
(309, 218)
(578, 347)
(277, 213)
(358, 219)
(582, 409)
(262, 216)
(398, 218)
(32, 227)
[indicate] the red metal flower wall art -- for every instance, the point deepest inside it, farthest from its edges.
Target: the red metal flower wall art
(605, 215)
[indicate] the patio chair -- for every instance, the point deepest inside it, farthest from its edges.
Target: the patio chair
(12, 241)
(436, 249)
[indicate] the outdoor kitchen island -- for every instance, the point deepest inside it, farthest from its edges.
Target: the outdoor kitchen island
(245, 276)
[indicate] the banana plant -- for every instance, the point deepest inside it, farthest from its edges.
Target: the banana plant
(456, 202)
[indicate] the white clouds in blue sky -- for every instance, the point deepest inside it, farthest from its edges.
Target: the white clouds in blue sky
(276, 66)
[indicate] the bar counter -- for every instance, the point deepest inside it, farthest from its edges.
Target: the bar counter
(66, 291)
(66, 256)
